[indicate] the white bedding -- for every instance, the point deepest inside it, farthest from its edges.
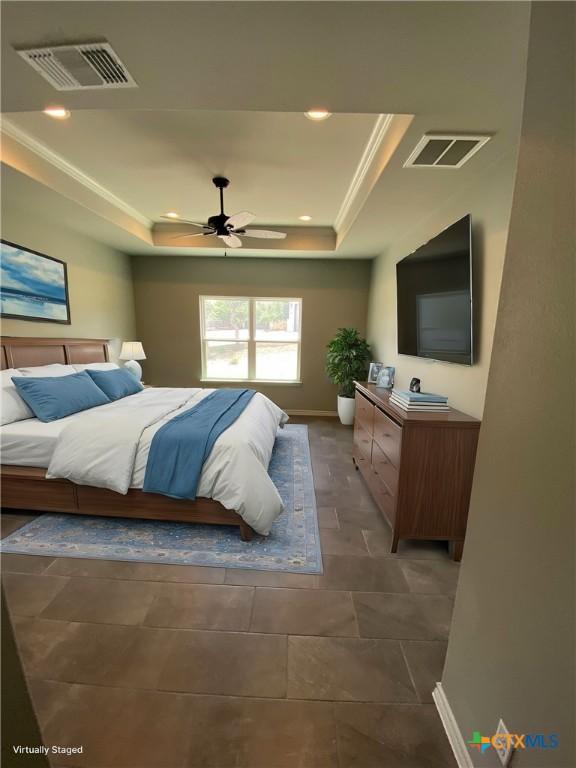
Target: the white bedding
(30, 443)
(108, 447)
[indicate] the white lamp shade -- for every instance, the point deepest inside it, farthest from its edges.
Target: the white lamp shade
(132, 350)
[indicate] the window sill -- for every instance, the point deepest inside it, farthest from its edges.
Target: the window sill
(253, 381)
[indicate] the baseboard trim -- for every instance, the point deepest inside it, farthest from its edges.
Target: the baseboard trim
(311, 413)
(455, 738)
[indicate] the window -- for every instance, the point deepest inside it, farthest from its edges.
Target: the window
(250, 339)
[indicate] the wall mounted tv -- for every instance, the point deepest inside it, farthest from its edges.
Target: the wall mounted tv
(434, 293)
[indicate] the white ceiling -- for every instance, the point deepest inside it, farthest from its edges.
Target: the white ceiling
(216, 101)
(280, 165)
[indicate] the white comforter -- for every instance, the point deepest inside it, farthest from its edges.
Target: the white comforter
(109, 449)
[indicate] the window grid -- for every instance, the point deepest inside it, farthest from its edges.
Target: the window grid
(251, 342)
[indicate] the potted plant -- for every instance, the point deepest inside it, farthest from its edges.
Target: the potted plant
(346, 361)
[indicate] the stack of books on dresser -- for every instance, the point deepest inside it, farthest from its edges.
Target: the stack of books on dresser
(418, 401)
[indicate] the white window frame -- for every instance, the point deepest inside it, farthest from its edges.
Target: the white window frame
(251, 341)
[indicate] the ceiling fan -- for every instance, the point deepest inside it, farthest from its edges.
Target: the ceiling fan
(229, 228)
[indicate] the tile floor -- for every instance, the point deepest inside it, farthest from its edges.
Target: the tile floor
(169, 666)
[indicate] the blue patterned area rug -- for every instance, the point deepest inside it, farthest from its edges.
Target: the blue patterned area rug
(293, 544)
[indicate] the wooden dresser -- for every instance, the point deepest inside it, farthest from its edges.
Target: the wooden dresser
(418, 466)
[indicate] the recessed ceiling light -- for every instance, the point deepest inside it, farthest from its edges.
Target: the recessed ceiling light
(60, 113)
(172, 215)
(305, 218)
(317, 114)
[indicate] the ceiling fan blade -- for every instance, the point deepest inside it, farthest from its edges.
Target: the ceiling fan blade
(265, 234)
(190, 234)
(183, 221)
(240, 220)
(231, 240)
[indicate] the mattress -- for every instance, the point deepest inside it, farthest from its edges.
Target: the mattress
(31, 443)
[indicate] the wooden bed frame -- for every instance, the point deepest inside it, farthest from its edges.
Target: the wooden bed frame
(28, 488)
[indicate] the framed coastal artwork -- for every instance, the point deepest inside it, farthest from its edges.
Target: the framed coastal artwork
(33, 286)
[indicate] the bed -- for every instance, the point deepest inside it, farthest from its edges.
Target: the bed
(235, 468)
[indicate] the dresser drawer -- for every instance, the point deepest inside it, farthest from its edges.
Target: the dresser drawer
(385, 500)
(364, 414)
(388, 435)
(362, 442)
(384, 469)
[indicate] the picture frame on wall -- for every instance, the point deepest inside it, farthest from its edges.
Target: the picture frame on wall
(373, 372)
(33, 286)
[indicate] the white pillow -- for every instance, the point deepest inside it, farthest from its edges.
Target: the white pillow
(6, 376)
(55, 369)
(95, 367)
(12, 407)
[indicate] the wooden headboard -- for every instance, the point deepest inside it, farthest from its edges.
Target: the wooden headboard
(21, 352)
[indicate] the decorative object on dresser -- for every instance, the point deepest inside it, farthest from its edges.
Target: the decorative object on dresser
(385, 378)
(131, 352)
(347, 360)
(374, 372)
(418, 401)
(415, 385)
(418, 465)
(34, 286)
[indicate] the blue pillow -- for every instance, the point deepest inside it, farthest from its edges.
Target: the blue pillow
(54, 397)
(116, 384)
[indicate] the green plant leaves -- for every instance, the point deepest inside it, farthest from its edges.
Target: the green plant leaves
(347, 360)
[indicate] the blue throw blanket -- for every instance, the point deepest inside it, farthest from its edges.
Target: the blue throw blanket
(180, 448)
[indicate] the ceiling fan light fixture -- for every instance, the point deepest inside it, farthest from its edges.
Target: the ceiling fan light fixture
(58, 113)
(230, 229)
(318, 114)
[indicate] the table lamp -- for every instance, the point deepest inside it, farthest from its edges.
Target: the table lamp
(131, 352)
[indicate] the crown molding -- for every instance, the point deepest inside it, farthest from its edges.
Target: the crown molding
(45, 153)
(368, 156)
(386, 135)
(297, 239)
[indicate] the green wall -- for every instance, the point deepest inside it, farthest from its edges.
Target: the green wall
(167, 288)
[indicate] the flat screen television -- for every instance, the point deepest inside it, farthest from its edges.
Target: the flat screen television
(434, 297)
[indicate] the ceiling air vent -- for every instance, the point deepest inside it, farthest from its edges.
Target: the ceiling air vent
(75, 67)
(443, 151)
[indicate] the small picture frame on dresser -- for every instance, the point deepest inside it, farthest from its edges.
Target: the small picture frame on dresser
(373, 372)
(386, 377)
